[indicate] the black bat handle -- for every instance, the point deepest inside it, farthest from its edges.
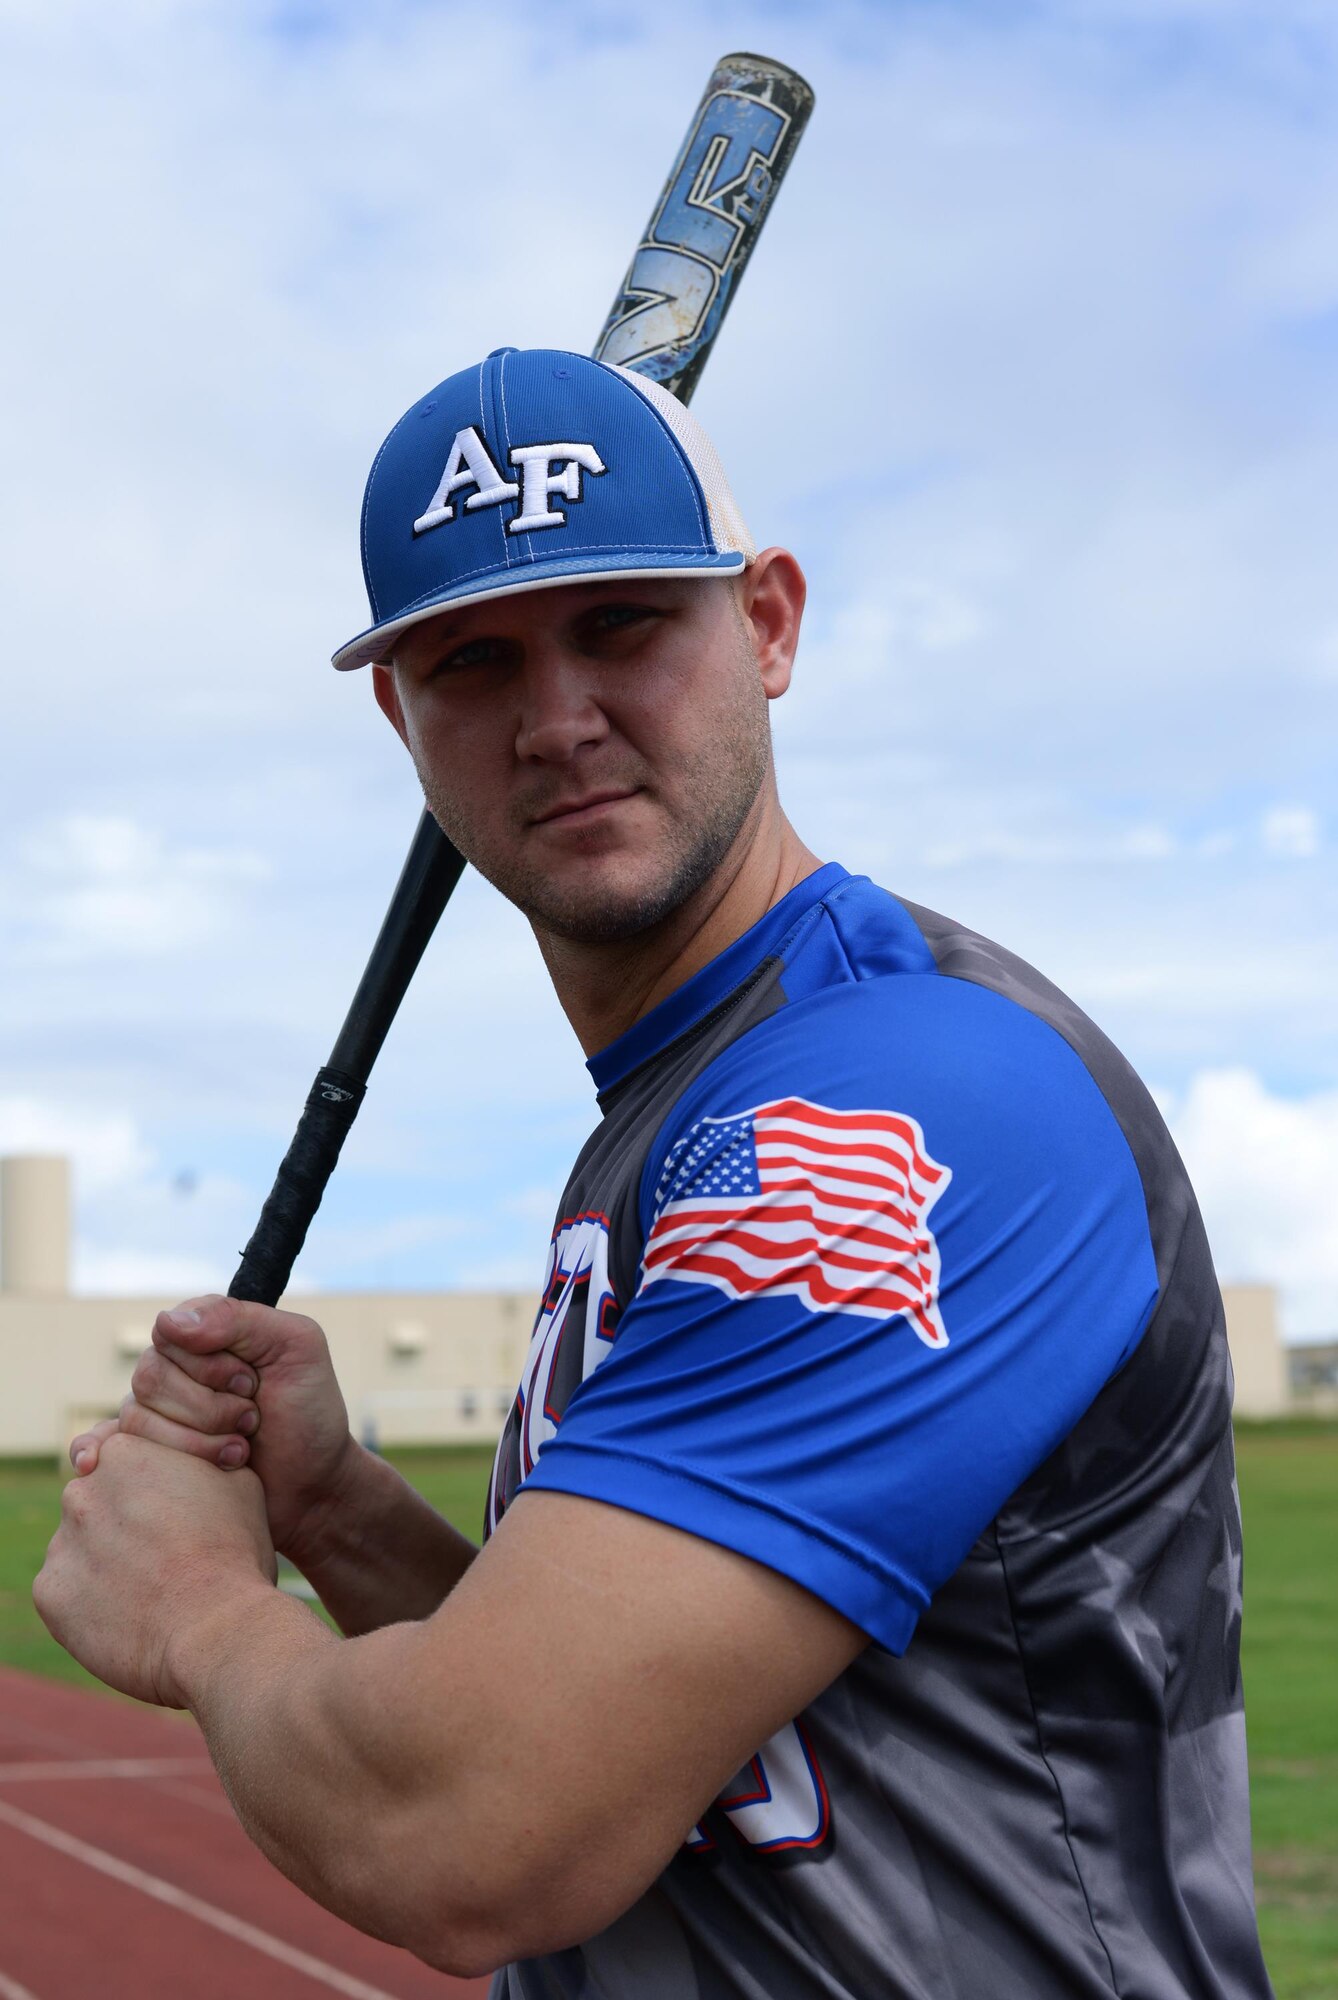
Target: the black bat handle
(430, 872)
(332, 1105)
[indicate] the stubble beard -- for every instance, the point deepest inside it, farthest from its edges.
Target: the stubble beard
(718, 791)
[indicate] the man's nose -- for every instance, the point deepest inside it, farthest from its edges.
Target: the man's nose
(559, 710)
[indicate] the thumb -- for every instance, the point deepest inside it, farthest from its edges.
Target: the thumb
(259, 1334)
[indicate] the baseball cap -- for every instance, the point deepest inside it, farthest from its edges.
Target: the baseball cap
(537, 467)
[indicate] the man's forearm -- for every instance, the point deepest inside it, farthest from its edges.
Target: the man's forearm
(301, 1727)
(307, 1732)
(375, 1552)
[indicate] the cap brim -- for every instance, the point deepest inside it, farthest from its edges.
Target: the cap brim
(373, 646)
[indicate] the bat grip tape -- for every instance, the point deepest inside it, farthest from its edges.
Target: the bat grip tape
(332, 1105)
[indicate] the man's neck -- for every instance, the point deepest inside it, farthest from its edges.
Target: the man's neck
(604, 988)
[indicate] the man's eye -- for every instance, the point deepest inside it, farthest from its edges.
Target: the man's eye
(474, 653)
(620, 617)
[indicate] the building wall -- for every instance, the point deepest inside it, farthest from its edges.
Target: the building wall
(414, 1367)
(1258, 1357)
(421, 1367)
(1313, 1372)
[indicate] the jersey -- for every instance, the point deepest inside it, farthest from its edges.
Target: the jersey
(882, 1270)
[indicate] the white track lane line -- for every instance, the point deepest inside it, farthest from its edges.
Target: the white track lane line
(106, 1767)
(191, 1906)
(11, 1990)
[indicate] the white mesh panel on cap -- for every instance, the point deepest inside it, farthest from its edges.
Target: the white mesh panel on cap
(727, 524)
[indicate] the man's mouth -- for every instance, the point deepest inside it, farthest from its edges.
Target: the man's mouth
(570, 812)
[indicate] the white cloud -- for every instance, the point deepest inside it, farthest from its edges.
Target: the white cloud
(91, 888)
(1265, 1168)
(1080, 846)
(1291, 832)
(106, 1149)
(140, 1227)
(142, 1274)
(1325, 654)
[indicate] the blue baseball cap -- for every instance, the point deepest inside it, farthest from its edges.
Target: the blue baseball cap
(537, 467)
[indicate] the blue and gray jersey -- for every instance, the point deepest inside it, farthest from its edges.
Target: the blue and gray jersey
(881, 1269)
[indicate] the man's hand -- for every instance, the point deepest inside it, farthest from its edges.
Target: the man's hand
(152, 1548)
(229, 1381)
(226, 1381)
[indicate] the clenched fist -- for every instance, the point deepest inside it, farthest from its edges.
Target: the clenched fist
(237, 1383)
(153, 1550)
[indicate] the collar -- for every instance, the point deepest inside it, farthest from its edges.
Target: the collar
(696, 997)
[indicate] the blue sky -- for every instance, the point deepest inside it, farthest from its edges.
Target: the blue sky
(1035, 371)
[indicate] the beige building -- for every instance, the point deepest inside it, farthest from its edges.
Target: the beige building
(416, 1367)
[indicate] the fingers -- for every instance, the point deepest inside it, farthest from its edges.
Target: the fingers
(228, 1450)
(86, 1448)
(219, 1371)
(162, 1384)
(193, 1393)
(170, 1404)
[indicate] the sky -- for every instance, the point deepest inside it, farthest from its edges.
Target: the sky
(1034, 369)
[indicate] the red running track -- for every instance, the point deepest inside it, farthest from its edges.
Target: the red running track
(124, 1875)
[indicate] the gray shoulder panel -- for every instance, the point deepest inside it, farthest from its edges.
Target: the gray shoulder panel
(1185, 1352)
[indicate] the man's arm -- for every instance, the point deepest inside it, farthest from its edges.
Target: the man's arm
(374, 1551)
(501, 1780)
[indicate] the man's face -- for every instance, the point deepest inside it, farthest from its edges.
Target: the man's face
(594, 749)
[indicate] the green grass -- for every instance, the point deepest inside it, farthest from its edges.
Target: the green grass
(1289, 1503)
(29, 1510)
(456, 1482)
(1289, 1499)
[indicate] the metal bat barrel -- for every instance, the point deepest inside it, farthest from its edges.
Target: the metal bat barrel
(663, 323)
(701, 234)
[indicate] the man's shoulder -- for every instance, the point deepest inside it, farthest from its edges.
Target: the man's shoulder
(996, 1074)
(884, 983)
(963, 956)
(868, 1003)
(875, 992)
(884, 938)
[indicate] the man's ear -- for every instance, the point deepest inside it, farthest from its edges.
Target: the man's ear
(771, 597)
(388, 700)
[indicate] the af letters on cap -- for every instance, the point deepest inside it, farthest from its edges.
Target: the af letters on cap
(470, 463)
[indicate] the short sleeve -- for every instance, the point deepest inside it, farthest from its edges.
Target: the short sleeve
(895, 1243)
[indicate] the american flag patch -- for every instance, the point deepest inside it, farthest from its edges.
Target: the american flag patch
(793, 1198)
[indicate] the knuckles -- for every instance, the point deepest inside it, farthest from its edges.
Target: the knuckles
(150, 1373)
(307, 1330)
(159, 1387)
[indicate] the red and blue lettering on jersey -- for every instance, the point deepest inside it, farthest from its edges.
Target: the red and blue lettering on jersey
(572, 1332)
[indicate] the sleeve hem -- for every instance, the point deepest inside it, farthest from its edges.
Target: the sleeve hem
(871, 1594)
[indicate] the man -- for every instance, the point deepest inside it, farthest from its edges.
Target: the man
(860, 1609)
